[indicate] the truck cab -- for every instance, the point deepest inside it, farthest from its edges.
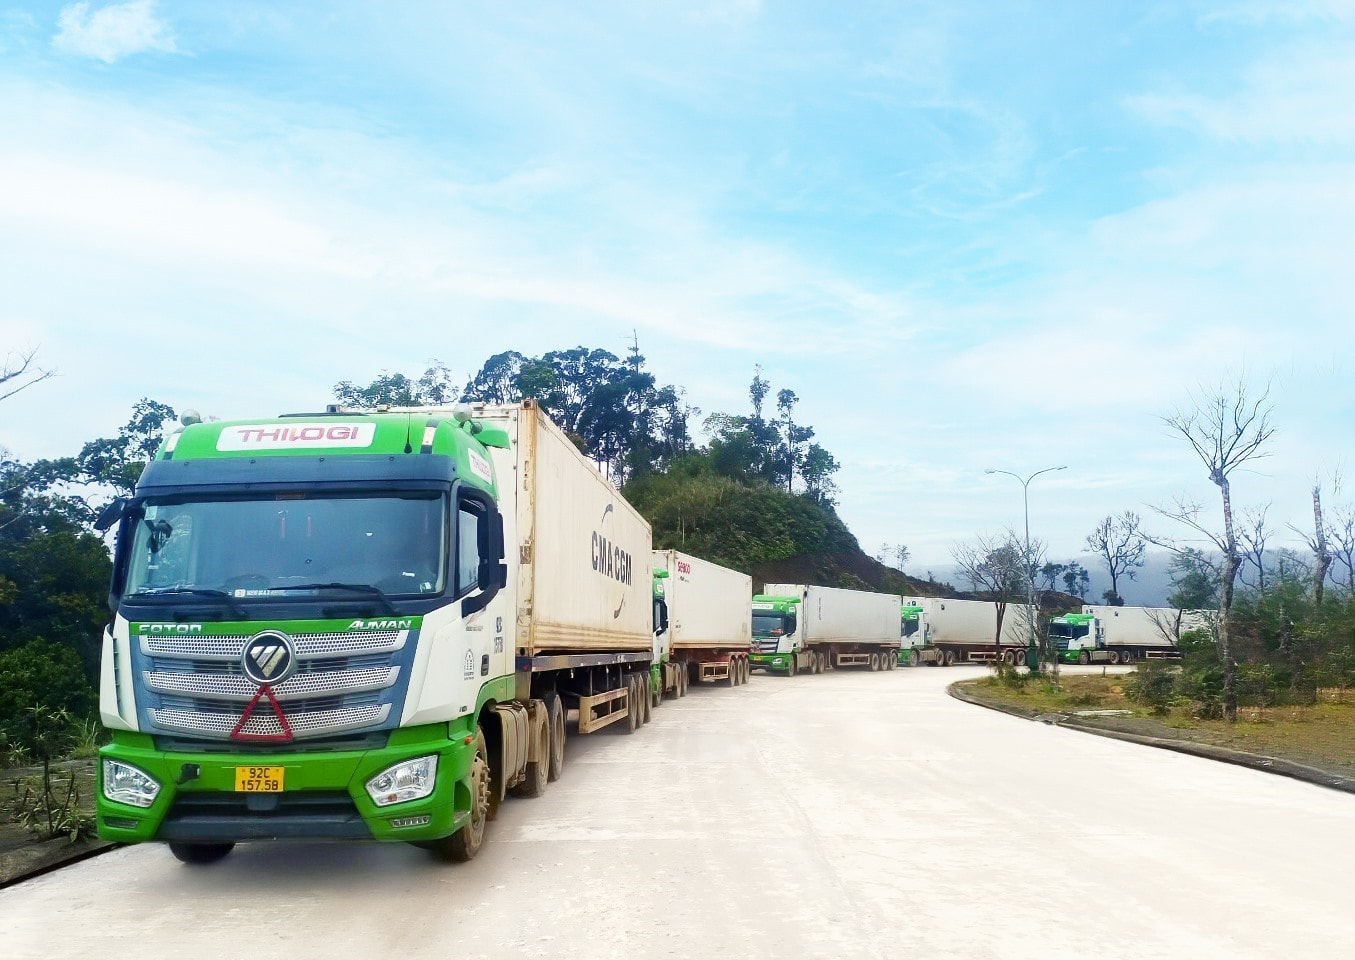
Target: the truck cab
(1078, 637)
(776, 631)
(913, 631)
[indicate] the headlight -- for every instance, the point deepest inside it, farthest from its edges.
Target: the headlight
(126, 784)
(410, 780)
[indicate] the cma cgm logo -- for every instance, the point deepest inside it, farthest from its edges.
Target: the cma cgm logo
(282, 436)
(609, 559)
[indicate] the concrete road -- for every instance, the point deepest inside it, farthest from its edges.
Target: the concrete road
(846, 815)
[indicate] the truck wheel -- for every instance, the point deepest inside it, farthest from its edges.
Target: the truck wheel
(1115, 657)
(466, 842)
(555, 716)
(1127, 656)
(682, 680)
(632, 708)
(914, 658)
(537, 774)
(744, 670)
(656, 691)
(733, 680)
(199, 853)
(893, 658)
(950, 658)
(1084, 658)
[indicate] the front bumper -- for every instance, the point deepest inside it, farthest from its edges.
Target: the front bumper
(770, 661)
(324, 797)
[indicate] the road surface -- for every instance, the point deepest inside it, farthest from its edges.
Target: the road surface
(844, 815)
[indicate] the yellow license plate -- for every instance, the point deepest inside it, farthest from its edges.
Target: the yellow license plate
(258, 779)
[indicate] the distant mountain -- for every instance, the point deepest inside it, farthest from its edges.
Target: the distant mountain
(1149, 588)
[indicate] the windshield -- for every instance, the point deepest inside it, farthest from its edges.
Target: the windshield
(768, 624)
(910, 627)
(1069, 630)
(289, 543)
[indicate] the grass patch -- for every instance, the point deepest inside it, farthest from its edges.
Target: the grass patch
(1321, 735)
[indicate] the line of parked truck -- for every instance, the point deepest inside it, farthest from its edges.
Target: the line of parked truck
(378, 624)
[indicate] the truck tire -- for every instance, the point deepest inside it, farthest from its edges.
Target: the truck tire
(745, 669)
(682, 680)
(537, 773)
(656, 691)
(1127, 656)
(199, 854)
(466, 842)
(733, 672)
(874, 662)
(632, 708)
(914, 658)
(1084, 657)
(950, 658)
(555, 716)
(892, 659)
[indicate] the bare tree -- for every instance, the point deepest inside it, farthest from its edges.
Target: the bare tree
(1343, 543)
(1119, 542)
(995, 567)
(1226, 428)
(1253, 534)
(1317, 544)
(18, 373)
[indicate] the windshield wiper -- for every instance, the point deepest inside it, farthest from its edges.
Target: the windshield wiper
(363, 588)
(231, 603)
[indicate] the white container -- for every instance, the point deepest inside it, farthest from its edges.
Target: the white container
(833, 615)
(709, 606)
(580, 553)
(1146, 626)
(972, 622)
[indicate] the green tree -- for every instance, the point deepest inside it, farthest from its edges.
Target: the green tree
(431, 388)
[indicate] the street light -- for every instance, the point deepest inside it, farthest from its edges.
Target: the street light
(1032, 653)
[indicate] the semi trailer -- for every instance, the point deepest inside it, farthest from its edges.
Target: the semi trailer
(1101, 634)
(367, 625)
(707, 612)
(807, 628)
(967, 631)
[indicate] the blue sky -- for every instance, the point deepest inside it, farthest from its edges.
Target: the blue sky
(1006, 234)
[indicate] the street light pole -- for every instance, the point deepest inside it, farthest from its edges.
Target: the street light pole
(1032, 652)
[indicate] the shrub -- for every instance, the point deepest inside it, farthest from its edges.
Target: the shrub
(45, 700)
(1154, 685)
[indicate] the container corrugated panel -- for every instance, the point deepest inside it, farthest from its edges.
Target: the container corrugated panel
(973, 622)
(584, 552)
(832, 615)
(709, 606)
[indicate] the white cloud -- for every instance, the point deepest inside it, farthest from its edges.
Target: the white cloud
(1261, 12)
(112, 32)
(1301, 94)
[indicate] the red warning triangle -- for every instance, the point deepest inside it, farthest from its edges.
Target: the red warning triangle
(284, 735)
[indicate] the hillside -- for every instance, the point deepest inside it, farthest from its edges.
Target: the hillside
(772, 535)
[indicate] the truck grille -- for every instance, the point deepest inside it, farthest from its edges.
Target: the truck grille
(344, 682)
(765, 646)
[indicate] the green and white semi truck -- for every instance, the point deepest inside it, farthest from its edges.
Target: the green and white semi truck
(707, 612)
(1102, 634)
(812, 629)
(368, 625)
(967, 631)
(913, 632)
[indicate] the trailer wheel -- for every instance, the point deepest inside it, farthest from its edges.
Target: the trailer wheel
(656, 691)
(537, 774)
(892, 659)
(1084, 657)
(466, 842)
(1127, 656)
(682, 680)
(745, 673)
(199, 854)
(555, 716)
(914, 658)
(950, 658)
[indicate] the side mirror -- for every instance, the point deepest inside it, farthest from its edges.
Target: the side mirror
(111, 514)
